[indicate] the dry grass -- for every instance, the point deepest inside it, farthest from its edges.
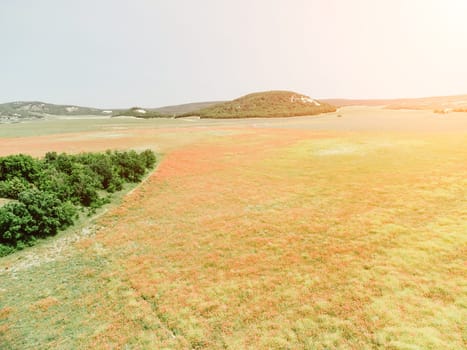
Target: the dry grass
(4, 201)
(266, 239)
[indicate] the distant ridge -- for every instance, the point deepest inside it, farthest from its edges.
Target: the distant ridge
(185, 108)
(342, 102)
(446, 103)
(27, 110)
(268, 104)
(164, 112)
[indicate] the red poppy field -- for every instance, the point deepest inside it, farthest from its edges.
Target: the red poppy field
(255, 237)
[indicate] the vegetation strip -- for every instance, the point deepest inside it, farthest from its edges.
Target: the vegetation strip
(47, 194)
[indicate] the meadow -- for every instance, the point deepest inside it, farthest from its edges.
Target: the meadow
(344, 231)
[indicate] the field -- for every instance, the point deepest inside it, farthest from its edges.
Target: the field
(344, 231)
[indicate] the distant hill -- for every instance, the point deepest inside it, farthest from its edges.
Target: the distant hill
(440, 103)
(268, 104)
(341, 102)
(26, 110)
(163, 112)
(140, 112)
(262, 104)
(185, 108)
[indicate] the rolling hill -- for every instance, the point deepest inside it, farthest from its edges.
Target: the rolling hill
(456, 103)
(140, 112)
(268, 104)
(185, 108)
(19, 111)
(163, 112)
(26, 110)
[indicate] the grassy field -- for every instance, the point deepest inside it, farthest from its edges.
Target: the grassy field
(328, 233)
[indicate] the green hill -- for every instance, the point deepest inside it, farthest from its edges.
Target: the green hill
(164, 112)
(140, 112)
(184, 108)
(268, 104)
(24, 110)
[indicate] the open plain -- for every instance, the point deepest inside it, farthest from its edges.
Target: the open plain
(340, 231)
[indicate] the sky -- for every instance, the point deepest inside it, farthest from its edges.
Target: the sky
(150, 53)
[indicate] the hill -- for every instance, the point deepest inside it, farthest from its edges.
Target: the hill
(25, 110)
(456, 103)
(140, 112)
(268, 104)
(162, 112)
(342, 102)
(185, 108)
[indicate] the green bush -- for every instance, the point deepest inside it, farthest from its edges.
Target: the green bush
(83, 185)
(49, 214)
(49, 192)
(149, 158)
(103, 168)
(62, 162)
(20, 165)
(13, 187)
(7, 249)
(37, 215)
(130, 166)
(54, 181)
(15, 223)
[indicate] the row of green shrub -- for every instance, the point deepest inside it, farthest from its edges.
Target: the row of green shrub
(49, 193)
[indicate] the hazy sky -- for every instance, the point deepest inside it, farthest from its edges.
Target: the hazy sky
(116, 53)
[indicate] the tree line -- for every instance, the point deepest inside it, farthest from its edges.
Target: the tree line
(47, 194)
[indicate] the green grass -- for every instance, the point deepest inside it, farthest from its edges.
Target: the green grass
(61, 126)
(49, 269)
(258, 238)
(266, 239)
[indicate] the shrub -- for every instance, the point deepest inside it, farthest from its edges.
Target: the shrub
(83, 185)
(48, 213)
(130, 165)
(15, 221)
(50, 191)
(62, 162)
(6, 249)
(20, 165)
(54, 181)
(103, 168)
(149, 158)
(13, 187)
(37, 215)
